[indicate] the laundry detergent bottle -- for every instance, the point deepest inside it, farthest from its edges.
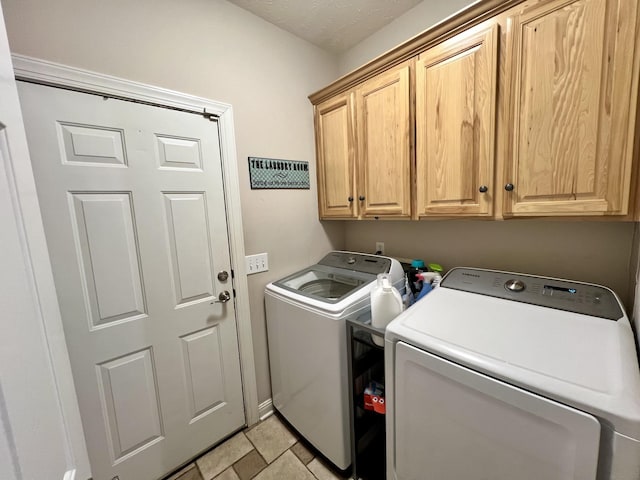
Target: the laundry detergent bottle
(386, 304)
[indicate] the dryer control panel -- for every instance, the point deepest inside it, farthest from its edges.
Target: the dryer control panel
(577, 297)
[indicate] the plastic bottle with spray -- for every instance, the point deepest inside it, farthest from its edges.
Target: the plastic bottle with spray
(430, 279)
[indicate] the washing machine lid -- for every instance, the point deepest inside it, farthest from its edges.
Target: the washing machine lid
(339, 275)
(582, 360)
(325, 284)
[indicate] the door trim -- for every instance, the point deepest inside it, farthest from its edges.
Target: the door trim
(53, 74)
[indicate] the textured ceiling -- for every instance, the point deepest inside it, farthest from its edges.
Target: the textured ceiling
(334, 25)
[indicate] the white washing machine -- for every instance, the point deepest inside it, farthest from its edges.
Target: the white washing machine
(306, 331)
(506, 376)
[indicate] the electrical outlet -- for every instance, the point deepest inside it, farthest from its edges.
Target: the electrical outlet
(257, 263)
(380, 247)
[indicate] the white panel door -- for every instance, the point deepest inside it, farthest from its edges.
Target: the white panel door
(133, 206)
(454, 423)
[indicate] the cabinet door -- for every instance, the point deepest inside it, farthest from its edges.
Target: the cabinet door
(573, 95)
(384, 145)
(455, 125)
(335, 144)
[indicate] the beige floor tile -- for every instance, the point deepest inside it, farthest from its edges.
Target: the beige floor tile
(223, 456)
(286, 467)
(321, 471)
(302, 452)
(190, 472)
(228, 474)
(271, 438)
(249, 465)
(193, 474)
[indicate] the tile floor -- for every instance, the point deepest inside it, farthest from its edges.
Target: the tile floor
(266, 451)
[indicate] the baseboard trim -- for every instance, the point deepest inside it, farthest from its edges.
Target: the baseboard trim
(265, 409)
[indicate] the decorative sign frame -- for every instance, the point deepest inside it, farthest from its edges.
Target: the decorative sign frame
(273, 173)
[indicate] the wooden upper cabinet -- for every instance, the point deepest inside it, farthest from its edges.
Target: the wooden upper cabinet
(335, 153)
(455, 125)
(384, 144)
(530, 110)
(572, 88)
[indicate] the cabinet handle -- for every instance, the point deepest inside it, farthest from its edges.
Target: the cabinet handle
(361, 198)
(483, 189)
(508, 187)
(350, 199)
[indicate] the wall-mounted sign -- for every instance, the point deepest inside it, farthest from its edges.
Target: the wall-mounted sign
(275, 173)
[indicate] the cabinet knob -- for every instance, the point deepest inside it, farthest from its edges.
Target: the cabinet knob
(508, 187)
(483, 189)
(350, 199)
(361, 198)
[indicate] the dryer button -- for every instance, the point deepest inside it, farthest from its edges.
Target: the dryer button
(514, 285)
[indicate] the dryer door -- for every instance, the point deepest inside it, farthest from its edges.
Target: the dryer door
(453, 422)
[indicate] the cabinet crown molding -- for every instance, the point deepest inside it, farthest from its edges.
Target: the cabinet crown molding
(466, 18)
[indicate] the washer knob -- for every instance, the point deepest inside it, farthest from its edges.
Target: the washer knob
(351, 260)
(514, 285)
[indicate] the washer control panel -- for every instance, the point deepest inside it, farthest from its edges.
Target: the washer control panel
(576, 297)
(357, 261)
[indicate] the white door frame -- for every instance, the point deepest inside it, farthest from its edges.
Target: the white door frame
(40, 71)
(40, 431)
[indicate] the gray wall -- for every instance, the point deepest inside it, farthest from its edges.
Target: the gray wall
(216, 50)
(419, 18)
(597, 252)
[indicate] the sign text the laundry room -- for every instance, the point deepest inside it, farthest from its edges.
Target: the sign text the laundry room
(274, 173)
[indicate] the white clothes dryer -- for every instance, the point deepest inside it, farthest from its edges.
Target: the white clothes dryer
(306, 331)
(511, 376)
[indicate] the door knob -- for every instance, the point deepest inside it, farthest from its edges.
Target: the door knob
(224, 297)
(223, 276)
(361, 198)
(483, 189)
(508, 187)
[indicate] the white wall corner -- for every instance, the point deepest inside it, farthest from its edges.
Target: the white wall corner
(634, 278)
(265, 409)
(70, 475)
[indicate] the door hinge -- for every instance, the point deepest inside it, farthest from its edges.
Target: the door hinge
(233, 275)
(234, 292)
(212, 117)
